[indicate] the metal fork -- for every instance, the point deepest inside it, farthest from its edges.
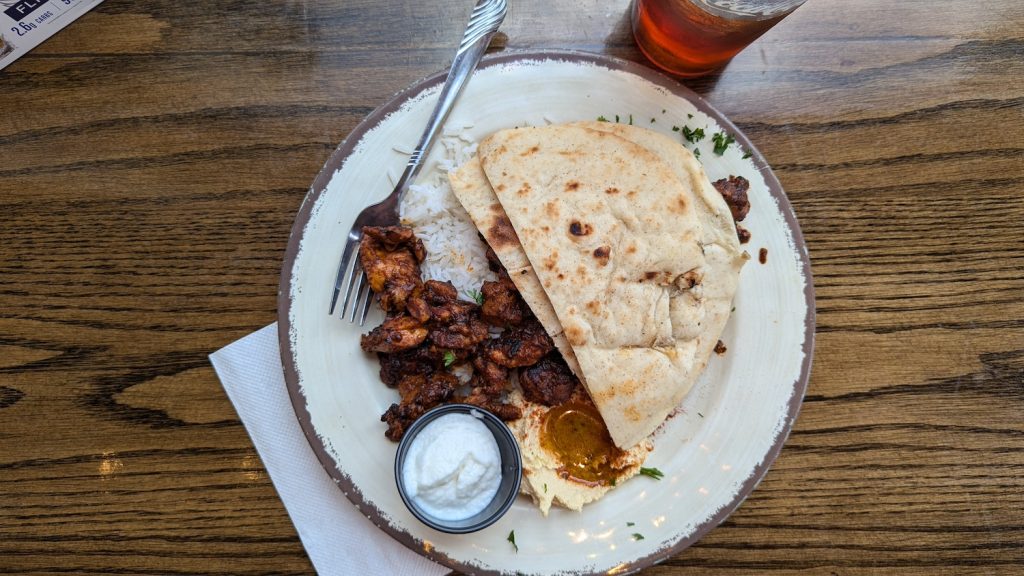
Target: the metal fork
(483, 23)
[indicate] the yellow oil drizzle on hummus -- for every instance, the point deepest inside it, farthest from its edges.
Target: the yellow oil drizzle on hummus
(575, 433)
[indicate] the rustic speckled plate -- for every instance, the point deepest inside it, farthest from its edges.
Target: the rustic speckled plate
(713, 453)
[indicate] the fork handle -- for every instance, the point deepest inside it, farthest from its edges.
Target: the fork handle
(483, 23)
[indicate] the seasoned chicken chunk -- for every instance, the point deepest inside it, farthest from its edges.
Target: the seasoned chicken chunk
(522, 345)
(734, 191)
(396, 334)
(391, 256)
(439, 302)
(502, 305)
(548, 382)
(419, 394)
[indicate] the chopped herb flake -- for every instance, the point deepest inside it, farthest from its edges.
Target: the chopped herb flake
(612, 482)
(630, 523)
(602, 119)
(699, 414)
(693, 136)
(477, 296)
(675, 128)
(696, 153)
(637, 536)
(545, 487)
(688, 116)
(722, 142)
(512, 538)
(662, 110)
(653, 473)
(630, 119)
(747, 153)
(616, 118)
(449, 358)
(652, 120)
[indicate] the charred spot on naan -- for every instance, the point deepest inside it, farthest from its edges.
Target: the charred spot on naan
(551, 262)
(611, 191)
(602, 254)
(533, 150)
(689, 279)
(679, 206)
(660, 278)
(572, 186)
(577, 228)
(633, 414)
(501, 233)
(576, 335)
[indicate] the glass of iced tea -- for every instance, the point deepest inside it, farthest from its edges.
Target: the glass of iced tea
(693, 37)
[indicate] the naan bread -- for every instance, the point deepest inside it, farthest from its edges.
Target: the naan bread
(614, 237)
(722, 252)
(470, 186)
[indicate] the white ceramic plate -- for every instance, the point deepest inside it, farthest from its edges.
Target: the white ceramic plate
(732, 425)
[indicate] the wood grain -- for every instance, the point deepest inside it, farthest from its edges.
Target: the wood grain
(153, 154)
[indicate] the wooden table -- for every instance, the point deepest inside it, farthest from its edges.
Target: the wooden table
(153, 155)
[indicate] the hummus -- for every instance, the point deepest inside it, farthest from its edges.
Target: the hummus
(549, 479)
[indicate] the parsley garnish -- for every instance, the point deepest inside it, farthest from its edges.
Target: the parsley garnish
(747, 153)
(545, 487)
(675, 128)
(653, 473)
(477, 296)
(602, 119)
(630, 523)
(449, 358)
(688, 116)
(637, 536)
(693, 136)
(722, 141)
(512, 538)
(696, 153)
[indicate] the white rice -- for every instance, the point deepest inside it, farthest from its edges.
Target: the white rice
(455, 252)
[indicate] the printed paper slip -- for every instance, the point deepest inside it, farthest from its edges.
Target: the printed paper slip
(24, 24)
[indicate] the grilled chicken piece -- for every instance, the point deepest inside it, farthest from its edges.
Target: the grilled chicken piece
(396, 334)
(489, 385)
(420, 360)
(502, 305)
(391, 256)
(734, 190)
(491, 377)
(419, 394)
(464, 336)
(500, 409)
(548, 382)
(439, 302)
(522, 345)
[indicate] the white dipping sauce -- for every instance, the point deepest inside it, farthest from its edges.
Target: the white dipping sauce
(452, 468)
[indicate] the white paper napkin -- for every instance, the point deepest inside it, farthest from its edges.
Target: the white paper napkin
(338, 539)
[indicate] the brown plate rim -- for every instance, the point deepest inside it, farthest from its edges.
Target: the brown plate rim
(284, 301)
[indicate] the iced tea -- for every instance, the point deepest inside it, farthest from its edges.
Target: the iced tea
(694, 37)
